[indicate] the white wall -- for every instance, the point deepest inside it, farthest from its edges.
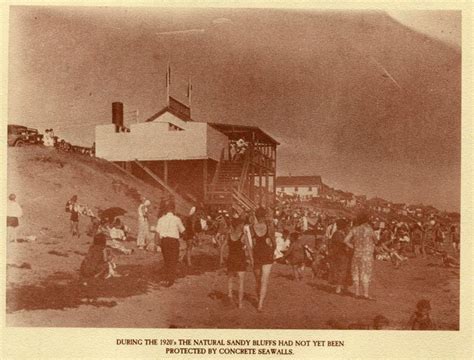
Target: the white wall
(153, 141)
(303, 191)
(216, 141)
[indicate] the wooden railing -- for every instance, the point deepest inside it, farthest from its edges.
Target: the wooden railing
(244, 173)
(243, 200)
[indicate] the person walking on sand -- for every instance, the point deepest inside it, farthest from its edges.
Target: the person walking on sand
(14, 213)
(143, 228)
(362, 239)
(168, 230)
(263, 235)
(237, 258)
(190, 234)
(296, 256)
(339, 259)
(417, 239)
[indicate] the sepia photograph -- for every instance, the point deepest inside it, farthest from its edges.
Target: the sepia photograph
(233, 168)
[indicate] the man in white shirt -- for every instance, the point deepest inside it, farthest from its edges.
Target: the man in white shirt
(169, 229)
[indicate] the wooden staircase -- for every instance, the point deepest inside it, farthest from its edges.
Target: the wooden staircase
(179, 199)
(226, 190)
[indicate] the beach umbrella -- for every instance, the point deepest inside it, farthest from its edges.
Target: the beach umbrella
(112, 213)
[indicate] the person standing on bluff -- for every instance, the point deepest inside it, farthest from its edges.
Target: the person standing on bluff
(143, 228)
(14, 213)
(73, 207)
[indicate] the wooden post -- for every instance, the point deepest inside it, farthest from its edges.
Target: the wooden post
(252, 168)
(252, 182)
(266, 187)
(274, 190)
(274, 173)
(165, 172)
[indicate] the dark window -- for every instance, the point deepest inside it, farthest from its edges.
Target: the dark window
(282, 189)
(296, 188)
(310, 188)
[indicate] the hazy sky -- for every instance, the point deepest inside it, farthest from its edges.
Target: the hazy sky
(370, 103)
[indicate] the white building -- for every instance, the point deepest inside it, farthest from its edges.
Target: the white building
(306, 187)
(192, 158)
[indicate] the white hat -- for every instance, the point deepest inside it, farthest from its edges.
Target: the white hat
(147, 203)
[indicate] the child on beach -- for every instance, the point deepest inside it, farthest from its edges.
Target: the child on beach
(296, 256)
(99, 261)
(421, 319)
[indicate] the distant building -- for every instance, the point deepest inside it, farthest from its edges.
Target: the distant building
(305, 187)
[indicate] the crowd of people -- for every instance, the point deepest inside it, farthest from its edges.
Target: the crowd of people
(343, 252)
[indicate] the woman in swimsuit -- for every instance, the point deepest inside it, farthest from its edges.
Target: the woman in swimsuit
(237, 259)
(263, 236)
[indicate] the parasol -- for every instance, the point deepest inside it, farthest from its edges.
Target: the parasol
(112, 213)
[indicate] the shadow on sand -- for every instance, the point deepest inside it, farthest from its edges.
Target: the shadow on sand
(65, 290)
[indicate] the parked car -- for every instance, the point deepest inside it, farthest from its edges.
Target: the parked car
(19, 135)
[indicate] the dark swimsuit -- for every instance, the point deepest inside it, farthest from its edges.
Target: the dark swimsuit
(262, 252)
(237, 260)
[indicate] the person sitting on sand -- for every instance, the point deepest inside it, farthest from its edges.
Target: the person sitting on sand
(389, 246)
(421, 318)
(109, 230)
(99, 261)
(449, 261)
(282, 245)
(319, 264)
(117, 232)
(296, 256)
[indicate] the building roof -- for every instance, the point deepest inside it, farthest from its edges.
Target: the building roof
(233, 132)
(177, 113)
(298, 180)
